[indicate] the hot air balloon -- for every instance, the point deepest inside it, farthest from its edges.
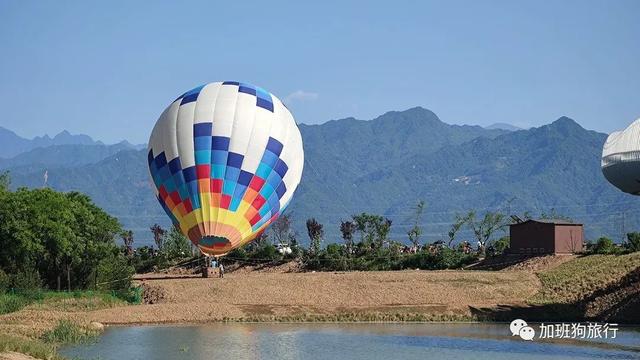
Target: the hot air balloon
(621, 159)
(225, 159)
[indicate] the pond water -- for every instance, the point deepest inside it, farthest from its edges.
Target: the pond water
(345, 341)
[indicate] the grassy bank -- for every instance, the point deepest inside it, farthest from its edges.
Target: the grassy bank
(33, 347)
(59, 300)
(576, 279)
(69, 332)
(45, 347)
(36, 323)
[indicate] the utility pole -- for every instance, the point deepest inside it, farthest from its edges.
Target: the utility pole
(624, 232)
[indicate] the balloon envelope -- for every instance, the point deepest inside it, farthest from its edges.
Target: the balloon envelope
(621, 159)
(225, 159)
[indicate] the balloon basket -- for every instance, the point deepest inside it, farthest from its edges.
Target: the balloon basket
(208, 272)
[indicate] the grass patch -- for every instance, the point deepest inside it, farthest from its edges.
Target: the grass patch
(578, 278)
(12, 302)
(79, 301)
(69, 332)
(355, 317)
(35, 348)
(85, 300)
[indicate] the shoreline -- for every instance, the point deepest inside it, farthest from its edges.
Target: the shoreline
(556, 293)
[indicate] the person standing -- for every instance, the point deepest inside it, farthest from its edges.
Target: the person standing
(221, 270)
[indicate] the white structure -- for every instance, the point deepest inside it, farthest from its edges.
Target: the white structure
(284, 249)
(621, 159)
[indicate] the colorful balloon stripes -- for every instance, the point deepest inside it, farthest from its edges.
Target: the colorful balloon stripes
(223, 181)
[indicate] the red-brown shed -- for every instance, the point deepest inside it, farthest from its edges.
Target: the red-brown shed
(547, 236)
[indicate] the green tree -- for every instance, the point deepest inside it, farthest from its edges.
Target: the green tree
(114, 272)
(415, 231)
(55, 235)
(501, 245)
(315, 231)
(96, 232)
(158, 236)
(633, 241)
(455, 227)
(347, 228)
(374, 229)
(5, 181)
(554, 215)
(176, 245)
(604, 245)
(484, 228)
(127, 238)
(282, 230)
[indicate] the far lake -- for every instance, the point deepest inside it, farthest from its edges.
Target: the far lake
(439, 341)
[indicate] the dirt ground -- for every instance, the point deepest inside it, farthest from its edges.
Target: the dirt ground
(264, 295)
(10, 355)
(540, 263)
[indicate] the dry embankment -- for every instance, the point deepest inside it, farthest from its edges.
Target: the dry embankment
(595, 287)
(398, 295)
(599, 287)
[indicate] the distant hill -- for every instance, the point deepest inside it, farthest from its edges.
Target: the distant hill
(502, 126)
(64, 155)
(13, 144)
(386, 165)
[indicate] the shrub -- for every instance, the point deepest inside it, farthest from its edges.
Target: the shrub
(27, 280)
(12, 302)
(5, 281)
(444, 258)
(267, 252)
(114, 273)
(501, 245)
(68, 332)
(132, 295)
(238, 254)
(176, 245)
(604, 245)
(332, 258)
(143, 259)
(633, 241)
(34, 348)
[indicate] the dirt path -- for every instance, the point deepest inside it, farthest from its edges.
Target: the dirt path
(256, 296)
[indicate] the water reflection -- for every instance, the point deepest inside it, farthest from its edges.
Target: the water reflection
(343, 341)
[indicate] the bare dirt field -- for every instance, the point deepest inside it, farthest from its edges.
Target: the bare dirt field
(297, 296)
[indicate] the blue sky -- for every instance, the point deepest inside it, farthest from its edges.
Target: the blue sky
(109, 69)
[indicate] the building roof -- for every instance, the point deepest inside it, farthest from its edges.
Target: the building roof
(550, 221)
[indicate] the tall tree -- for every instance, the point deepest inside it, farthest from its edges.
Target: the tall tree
(374, 229)
(158, 236)
(485, 227)
(55, 235)
(315, 232)
(347, 228)
(554, 215)
(5, 181)
(415, 232)
(282, 230)
(176, 245)
(455, 227)
(127, 238)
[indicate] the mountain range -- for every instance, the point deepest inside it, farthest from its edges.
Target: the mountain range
(12, 144)
(502, 126)
(384, 166)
